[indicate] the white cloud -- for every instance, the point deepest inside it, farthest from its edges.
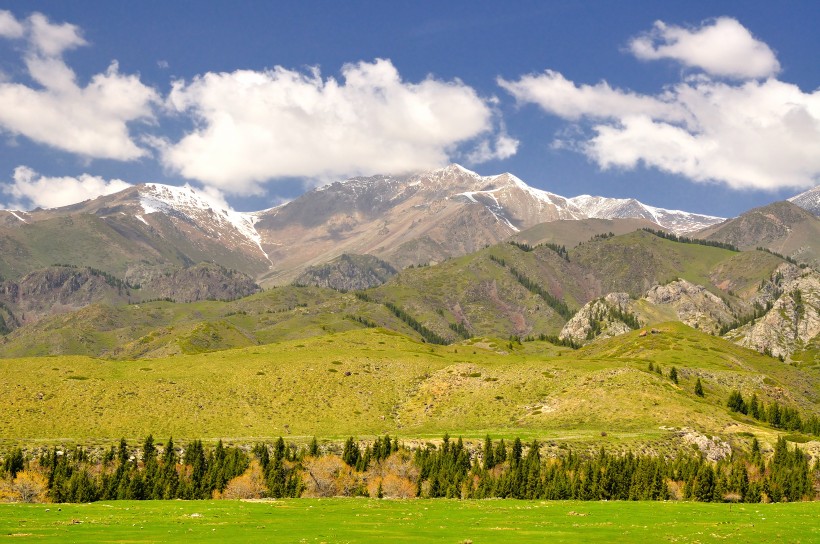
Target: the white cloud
(30, 189)
(51, 39)
(255, 126)
(559, 96)
(721, 47)
(503, 147)
(90, 120)
(10, 27)
(757, 135)
(748, 135)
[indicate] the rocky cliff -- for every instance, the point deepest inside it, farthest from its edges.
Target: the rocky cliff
(603, 317)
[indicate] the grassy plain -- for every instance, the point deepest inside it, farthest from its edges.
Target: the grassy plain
(371, 520)
(372, 381)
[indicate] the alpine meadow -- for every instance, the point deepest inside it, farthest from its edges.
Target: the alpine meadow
(268, 272)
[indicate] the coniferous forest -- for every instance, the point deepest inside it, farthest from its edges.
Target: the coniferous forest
(387, 468)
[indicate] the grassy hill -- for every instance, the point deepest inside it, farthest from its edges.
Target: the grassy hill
(500, 291)
(160, 328)
(367, 382)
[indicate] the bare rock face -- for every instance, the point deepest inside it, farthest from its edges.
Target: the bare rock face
(204, 281)
(348, 273)
(57, 289)
(771, 290)
(714, 449)
(694, 305)
(599, 318)
(793, 320)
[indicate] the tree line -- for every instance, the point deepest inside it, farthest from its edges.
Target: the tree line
(386, 468)
(687, 240)
(775, 414)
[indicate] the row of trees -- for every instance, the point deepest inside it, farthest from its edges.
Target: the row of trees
(779, 417)
(385, 468)
(687, 240)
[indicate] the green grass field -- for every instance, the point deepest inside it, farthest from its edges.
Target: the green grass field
(372, 520)
(369, 382)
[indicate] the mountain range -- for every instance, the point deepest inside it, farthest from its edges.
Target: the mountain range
(379, 234)
(404, 220)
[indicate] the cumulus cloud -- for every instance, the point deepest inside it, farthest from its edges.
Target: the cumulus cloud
(252, 126)
(10, 27)
(752, 134)
(90, 120)
(503, 147)
(722, 47)
(31, 190)
(561, 97)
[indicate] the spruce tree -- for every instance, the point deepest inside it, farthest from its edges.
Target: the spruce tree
(673, 375)
(698, 388)
(489, 457)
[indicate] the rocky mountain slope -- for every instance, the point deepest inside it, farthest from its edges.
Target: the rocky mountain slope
(348, 273)
(809, 201)
(791, 323)
(63, 289)
(428, 218)
(783, 227)
(404, 220)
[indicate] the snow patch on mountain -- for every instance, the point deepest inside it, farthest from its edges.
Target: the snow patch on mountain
(678, 221)
(192, 204)
(809, 201)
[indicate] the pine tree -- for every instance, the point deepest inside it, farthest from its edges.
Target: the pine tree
(515, 457)
(736, 403)
(673, 375)
(698, 388)
(489, 457)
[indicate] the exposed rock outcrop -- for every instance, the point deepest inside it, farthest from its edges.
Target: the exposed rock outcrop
(57, 289)
(60, 289)
(694, 305)
(793, 320)
(600, 318)
(204, 281)
(348, 273)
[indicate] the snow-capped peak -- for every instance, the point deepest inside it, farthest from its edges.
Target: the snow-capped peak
(190, 203)
(810, 200)
(678, 221)
(457, 169)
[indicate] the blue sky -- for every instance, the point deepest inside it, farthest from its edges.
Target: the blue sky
(710, 107)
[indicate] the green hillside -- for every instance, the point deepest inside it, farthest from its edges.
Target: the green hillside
(368, 382)
(501, 291)
(161, 328)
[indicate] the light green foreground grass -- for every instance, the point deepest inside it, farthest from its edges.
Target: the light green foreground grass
(371, 520)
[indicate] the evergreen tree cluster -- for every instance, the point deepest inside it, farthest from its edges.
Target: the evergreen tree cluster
(559, 249)
(758, 311)
(523, 247)
(74, 477)
(460, 329)
(779, 417)
(553, 339)
(280, 468)
(361, 458)
(555, 303)
(687, 240)
(429, 336)
(369, 323)
(450, 469)
(607, 312)
(602, 236)
(784, 257)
